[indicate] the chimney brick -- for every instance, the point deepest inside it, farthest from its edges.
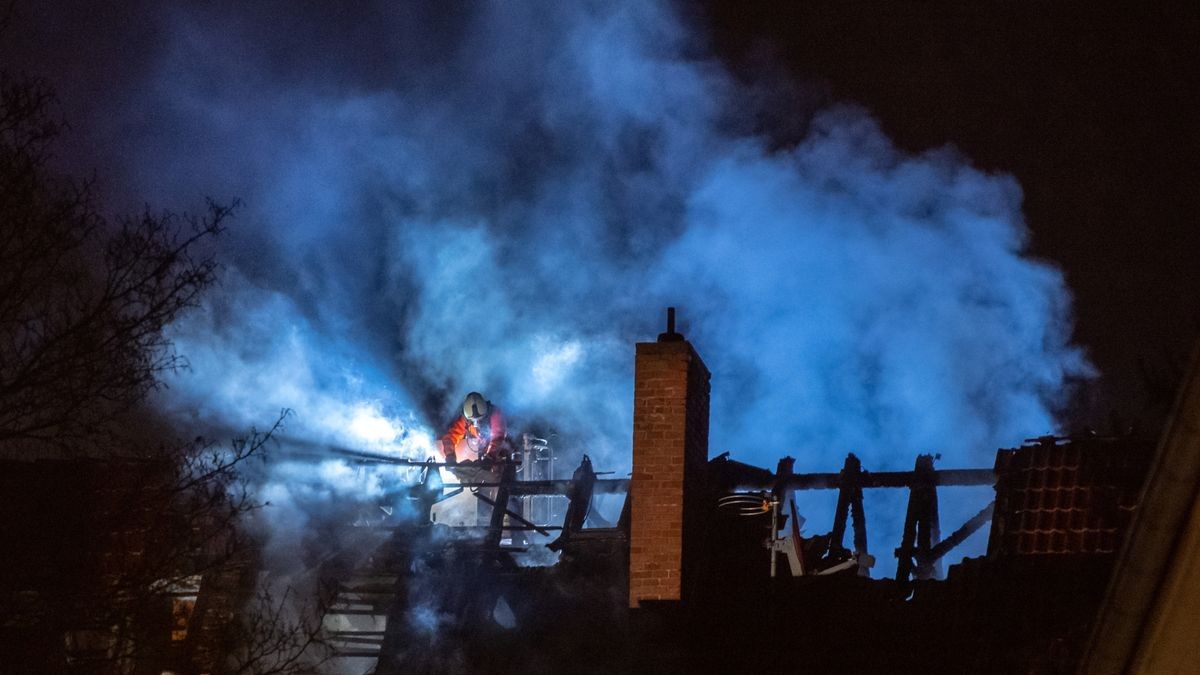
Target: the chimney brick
(670, 450)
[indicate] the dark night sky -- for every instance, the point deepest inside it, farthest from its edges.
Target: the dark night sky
(1093, 110)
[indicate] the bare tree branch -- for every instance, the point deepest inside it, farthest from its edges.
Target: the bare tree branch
(83, 304)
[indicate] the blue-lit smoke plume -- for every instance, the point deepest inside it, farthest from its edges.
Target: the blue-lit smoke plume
(505, 197)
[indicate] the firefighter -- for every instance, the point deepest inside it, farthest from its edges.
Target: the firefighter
(479, 432)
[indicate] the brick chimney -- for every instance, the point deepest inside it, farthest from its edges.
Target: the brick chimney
(670, 451)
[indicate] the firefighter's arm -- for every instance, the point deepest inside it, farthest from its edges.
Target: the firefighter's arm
(453, 437)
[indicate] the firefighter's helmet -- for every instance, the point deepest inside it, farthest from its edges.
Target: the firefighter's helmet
(475, 407)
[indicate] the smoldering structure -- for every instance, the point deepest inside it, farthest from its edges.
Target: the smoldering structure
(509, 566)
(710, 564)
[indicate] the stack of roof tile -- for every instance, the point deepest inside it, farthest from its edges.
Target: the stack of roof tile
(1059, 496)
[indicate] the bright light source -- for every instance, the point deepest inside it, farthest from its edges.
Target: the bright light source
(370, 426)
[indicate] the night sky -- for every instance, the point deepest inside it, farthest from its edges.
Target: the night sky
(1091, 106)
(1092, 109)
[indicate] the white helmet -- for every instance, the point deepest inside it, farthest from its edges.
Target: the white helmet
(475, 407)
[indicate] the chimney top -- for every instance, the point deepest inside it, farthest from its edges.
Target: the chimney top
(670, 335)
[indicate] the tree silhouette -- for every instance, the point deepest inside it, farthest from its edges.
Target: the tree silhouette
(84, 304)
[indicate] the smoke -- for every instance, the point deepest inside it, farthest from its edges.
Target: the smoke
(502, 197)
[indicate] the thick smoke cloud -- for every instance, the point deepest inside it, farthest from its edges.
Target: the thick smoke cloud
(504, 196)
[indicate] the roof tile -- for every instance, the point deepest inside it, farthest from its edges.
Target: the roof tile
(1075, 497)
